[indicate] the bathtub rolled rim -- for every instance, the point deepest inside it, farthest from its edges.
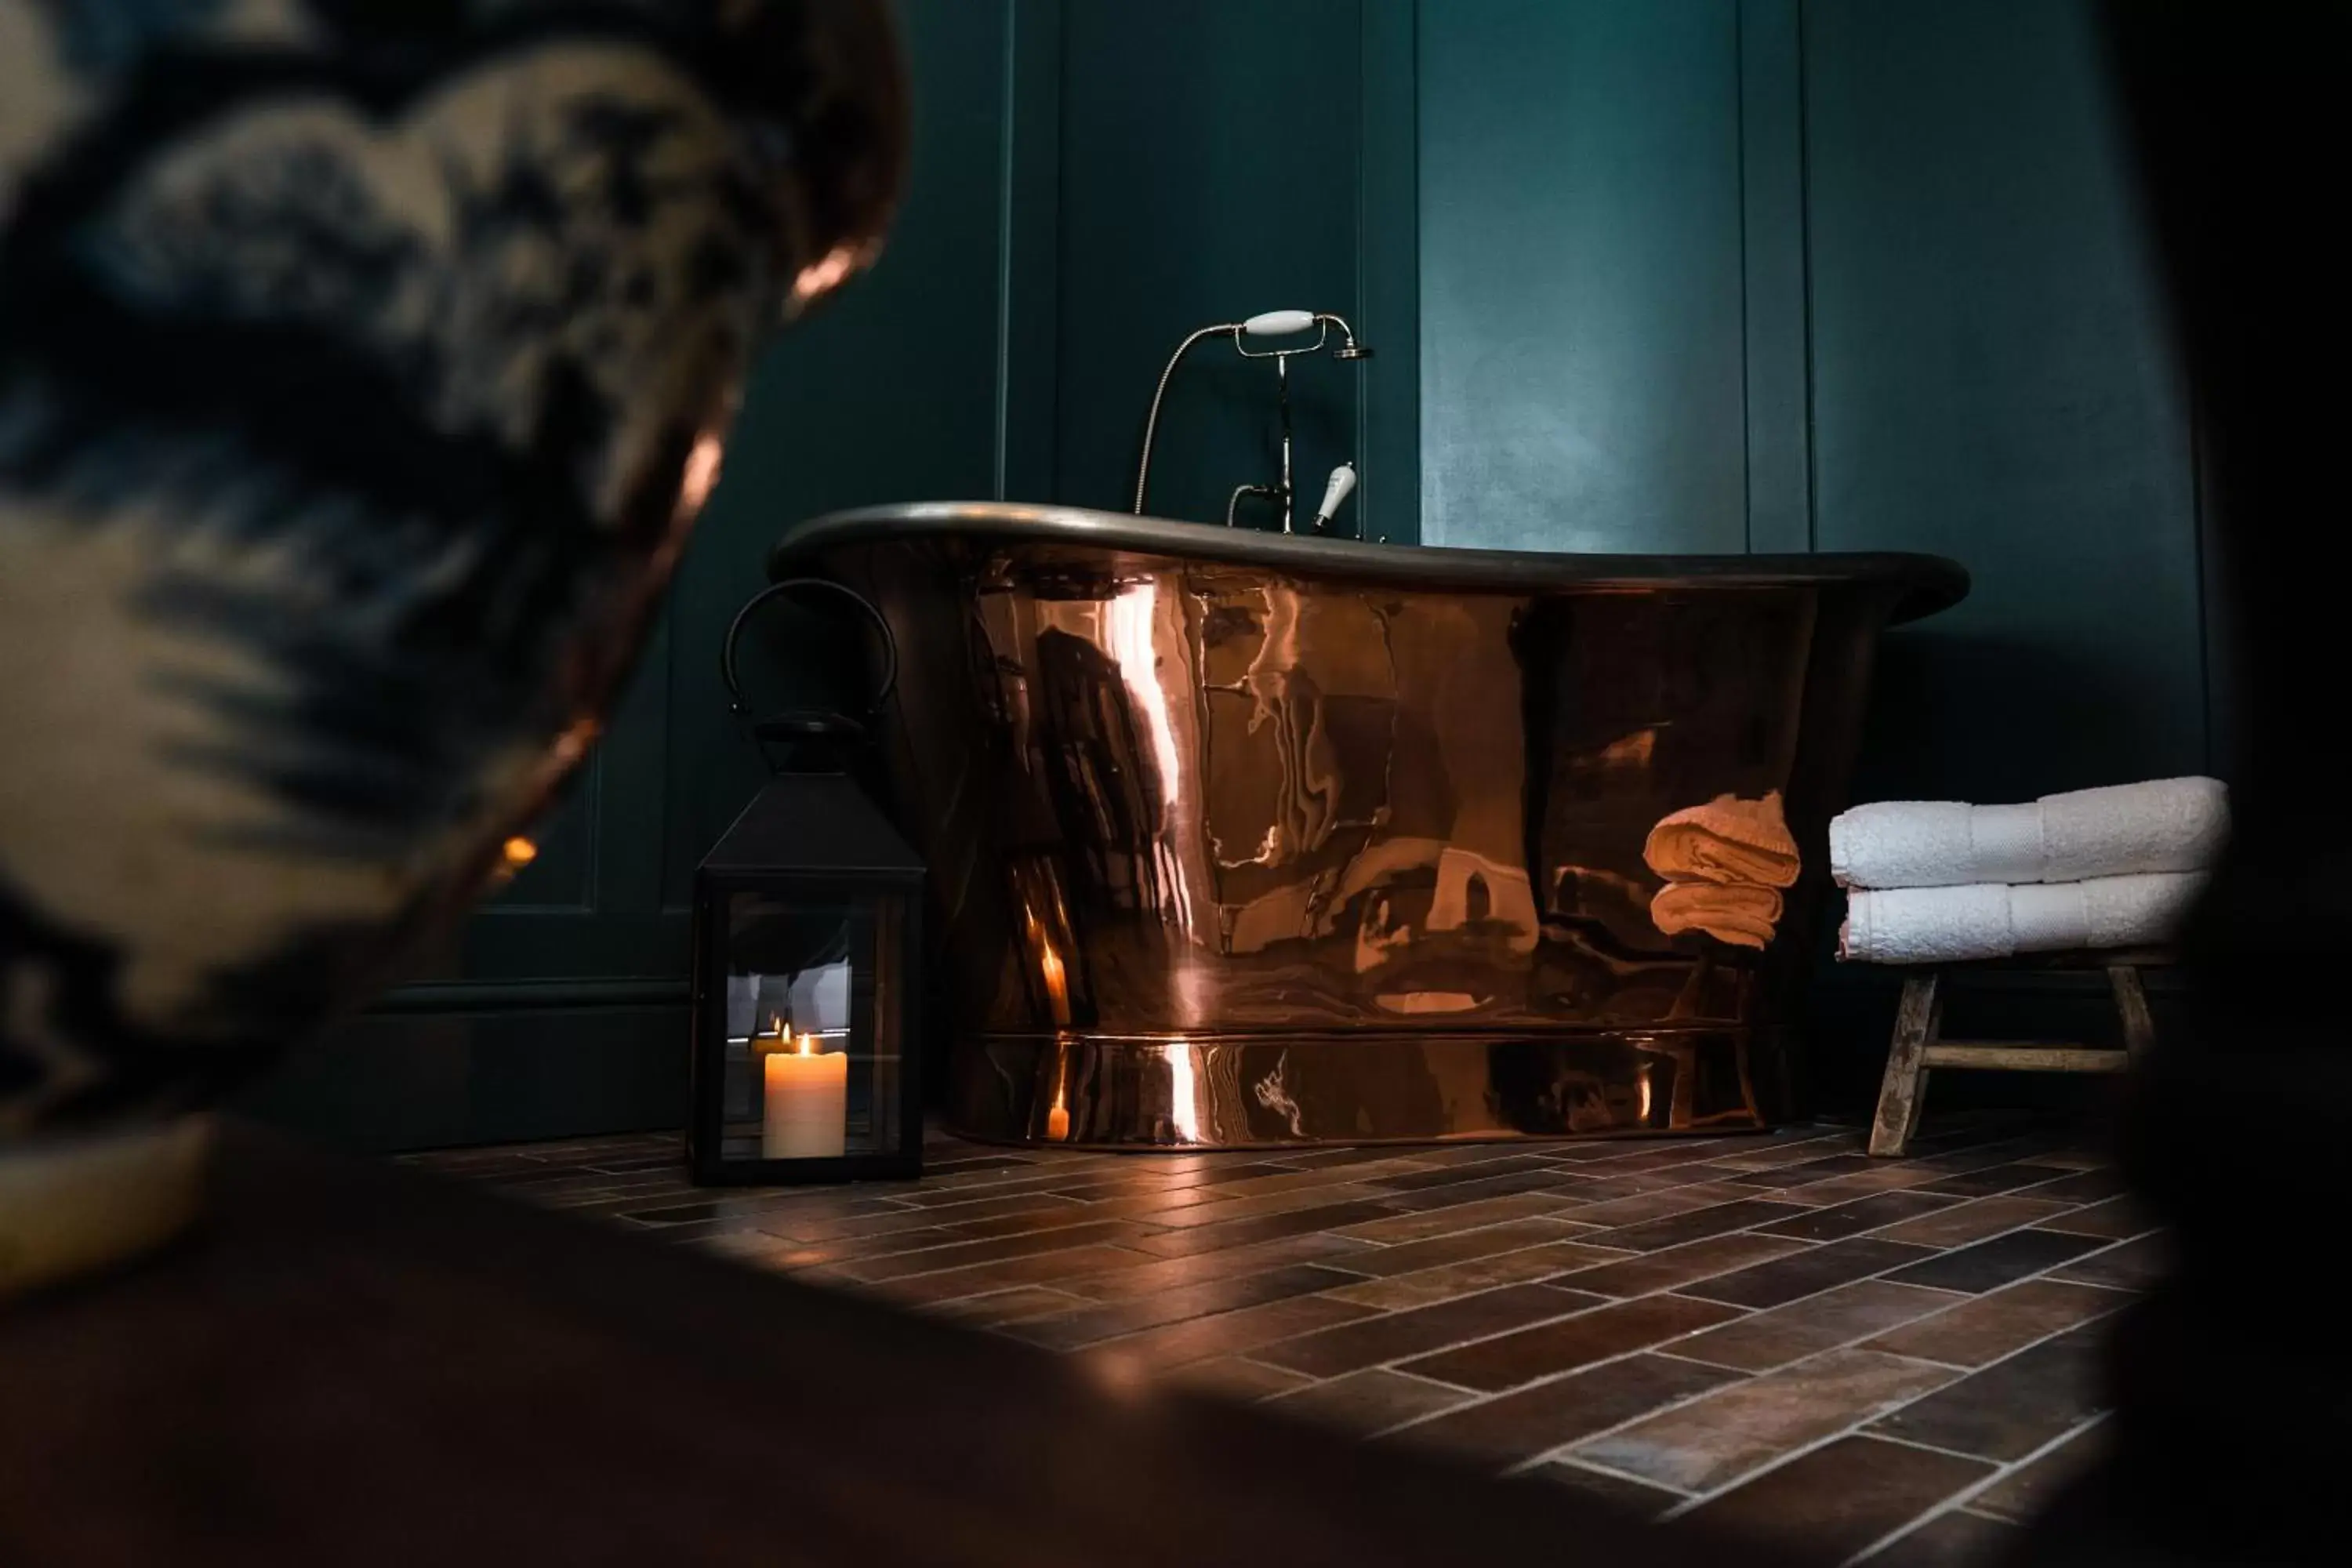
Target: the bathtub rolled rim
(1930, 583)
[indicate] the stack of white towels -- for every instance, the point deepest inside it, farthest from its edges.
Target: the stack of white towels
(1933, 882)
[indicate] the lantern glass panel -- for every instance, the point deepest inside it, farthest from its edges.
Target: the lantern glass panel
(808, 978)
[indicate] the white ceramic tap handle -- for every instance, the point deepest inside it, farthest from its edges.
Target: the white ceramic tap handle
(1278, 323)
(1334, 494)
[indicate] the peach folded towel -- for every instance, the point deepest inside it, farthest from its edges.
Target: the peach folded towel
(2163, 825)
(1735, 912)
(1728, 841)
(1948, 925)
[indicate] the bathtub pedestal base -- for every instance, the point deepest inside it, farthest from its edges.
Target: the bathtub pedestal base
(1265, 1089)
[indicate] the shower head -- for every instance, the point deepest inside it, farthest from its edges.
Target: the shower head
(1349, 347)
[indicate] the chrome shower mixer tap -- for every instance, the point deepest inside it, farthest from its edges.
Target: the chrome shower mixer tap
(1270, 325)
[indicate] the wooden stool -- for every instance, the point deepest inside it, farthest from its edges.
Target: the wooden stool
(1918, 1043)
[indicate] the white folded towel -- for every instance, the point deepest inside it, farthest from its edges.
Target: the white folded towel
(1945, 925)
(2165, 824)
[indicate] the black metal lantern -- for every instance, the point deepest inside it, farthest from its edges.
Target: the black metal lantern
(807, 942)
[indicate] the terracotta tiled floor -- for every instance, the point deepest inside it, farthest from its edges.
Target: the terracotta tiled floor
(1890, 1360)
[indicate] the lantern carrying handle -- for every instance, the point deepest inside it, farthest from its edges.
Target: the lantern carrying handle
(726, 669)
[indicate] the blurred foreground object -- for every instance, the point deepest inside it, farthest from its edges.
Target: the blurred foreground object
(2233, 108)
(356, 1364)
(361, 368)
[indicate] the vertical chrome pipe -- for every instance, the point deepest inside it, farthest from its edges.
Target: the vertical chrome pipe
(1282, 402)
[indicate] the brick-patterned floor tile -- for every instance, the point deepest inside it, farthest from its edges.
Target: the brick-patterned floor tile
(1095, 1322)
(1455, 1175)
(2118, 1219)
(1221, 1210)
(2081, 1186)
(1263, 1227)
(2002, 1260)
(1534, 1421)
(1986, 1328)
(1657, 1234)
(1799, 1151)
(1460, 1245)
(1010, 1306)
(1805, 1173)
(1370, 1401)
(1844, 1316)
(1427, 1286)
(1698, 1447)
(1854, 1217)
(899, 1265)
(1640, 1273)
(1038, 1268)
(780, 1253)
(1806, 1273)
(1658, 1205)
(1841, 1498)
(1234, 1377)
(1397, 1335)
(1883, 1177)
(1051, 1209)
(1533, 1352)
(2027, 1490)
(1390, 1228)
(1238, 1333)
(1622, 1492)
(1999, 1179)
(2008, 1409)
(1548, 1178)
(2134, 1266)
(1198, 1268)
(1968, 1222)
(1956, 1539)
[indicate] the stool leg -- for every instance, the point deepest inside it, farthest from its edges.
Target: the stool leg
(1904, 1085)
(2131, 1007)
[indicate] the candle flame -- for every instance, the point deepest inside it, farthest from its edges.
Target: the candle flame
(519, 852)
(793, 1042)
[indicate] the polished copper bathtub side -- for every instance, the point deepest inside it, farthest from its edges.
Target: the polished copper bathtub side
(1236, 847)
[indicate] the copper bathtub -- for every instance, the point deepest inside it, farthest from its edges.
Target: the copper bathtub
(1243, 839)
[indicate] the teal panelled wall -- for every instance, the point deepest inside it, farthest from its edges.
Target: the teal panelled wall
(1209, 171)
(1992, 381)
(1581, 280)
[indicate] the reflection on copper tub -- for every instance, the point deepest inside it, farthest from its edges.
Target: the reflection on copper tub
(1238, 838)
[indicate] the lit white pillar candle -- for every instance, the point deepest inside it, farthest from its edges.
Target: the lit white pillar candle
(804, 1100)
